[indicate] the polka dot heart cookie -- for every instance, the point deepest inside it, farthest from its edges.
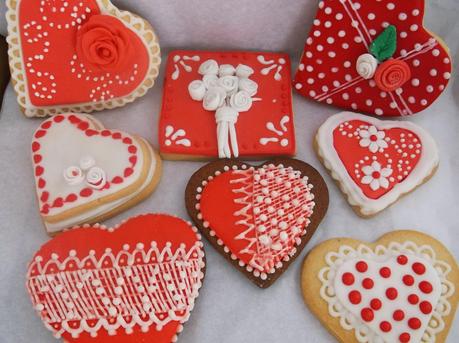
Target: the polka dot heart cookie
(375, 162)
(401, 288)
(78, 55)
(137, 282)
(373, 57)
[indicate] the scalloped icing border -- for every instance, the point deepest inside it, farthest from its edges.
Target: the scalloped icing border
(436, 323)
(137, 24)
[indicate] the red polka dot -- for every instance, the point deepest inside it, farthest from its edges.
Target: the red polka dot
(116, 135)
(398, 315)
(408, 280)
(425, 287)
(39, 171)
(375, 304)
(413, 299)
(41, 183)
(348, 279)
(91, 133)
(425, 307)
(105, 133)
(361, 266)
(44, 196)
(117, 180)
(385, 326)
(83, 126)
(35, 146)
(40, 133)
(86, 192)
(367, 314)
(71, 198)
(385, 272)
(58, 118)
(404, 337)
(391, 293)
(367, 283)
(37, 158)
(414, 323)
(133, 160)
(132, 149)
(355, 297)
(419, 268)
(128, 172)
(127, 140)
(402, 259)
(46, 125)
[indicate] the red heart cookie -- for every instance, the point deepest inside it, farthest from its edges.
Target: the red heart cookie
(373, 57)
(399, 289)
(135, 283)
(260, 218)
(85, 173)
(79, 55)
(374, 161)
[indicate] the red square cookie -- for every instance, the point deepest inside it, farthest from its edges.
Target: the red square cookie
(188, 131)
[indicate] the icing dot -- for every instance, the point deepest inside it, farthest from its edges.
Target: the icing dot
(348, 279)
(404, 337)
(402, 259)
(355, 297)
(390, 6)
(408, 280)
(361, 266)
(367, 283)
(425, 287)
(385, 272)
(391, 293)
(419, 268)
(367, 314)
(376, 304)
(385, 326)
(413, 299)
(398, 315)
(414, 323)
(425, 307)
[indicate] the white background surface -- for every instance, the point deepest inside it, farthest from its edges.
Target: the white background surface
(230, 309)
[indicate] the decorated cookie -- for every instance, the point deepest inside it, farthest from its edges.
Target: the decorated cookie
(4, 68)
(375, 162)
(226, 104)
(78, 55)
(135, 283)
(85, 173)
(259, 218)
(401, 288)
(373, 57)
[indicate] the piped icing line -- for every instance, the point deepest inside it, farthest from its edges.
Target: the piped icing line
(385, 262)
(356, 26)
(427, 164)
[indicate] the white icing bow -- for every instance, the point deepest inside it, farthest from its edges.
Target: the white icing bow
(228, 91)
(366, 66)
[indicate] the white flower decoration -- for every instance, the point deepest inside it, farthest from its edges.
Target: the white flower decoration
(366, 66)
(373, 139)
(229, 83)
(214, 98)
(375, 176)
(226, 70)
(241, 101)
(209, 67)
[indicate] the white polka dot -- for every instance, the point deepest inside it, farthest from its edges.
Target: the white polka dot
(324, 89)
(402, 16)
(309, 54)
(385, 24)
(403, 52)
(411, 100)
(447, 76)
(446, 60)
(415, 82)
(317, 33)
(345, 96)
(430, 89)
(403, 34)
(356, 6)
(358, 90)
(371, 16)
(320, 47)
(358, 39)
(312, 93)
(328, 10)
(383, 95)
(348, 77)
(393, 105)
(354, 106)
(301, 67)
(416, 63)
(435, 52)
(414, 27)
(329, 101)
(310, 68)
(342, 33)
(328, 24)
(330, 40)
(369, 102)
(373, 32)
(339, 16)
(433, 72)
(321, 75)
(390, 6)
(372, 83)
(321, 4)
(316, 22)
(298, 86)
(310, 81)
(415, 12)
(424, 102)
(379, 112)
(336, 83)
(347, 64)
(345, 46)
(332, 54)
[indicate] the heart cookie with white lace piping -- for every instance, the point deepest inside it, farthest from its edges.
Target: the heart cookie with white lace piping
(399, 289)
(78, 55)
(259, 218)
(375, 162)
(373, 57)
(135, 283)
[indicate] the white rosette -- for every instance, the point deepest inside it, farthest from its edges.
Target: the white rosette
(229, 83)
(214, 98)
(241, 101)
(249, 86)
(209, 67)
(226, 70)
(197, 90)
(226, 118)
(96, 178)
(210, 80)
(87, 162)
(366, 66)
(73, 175)
(244, 71)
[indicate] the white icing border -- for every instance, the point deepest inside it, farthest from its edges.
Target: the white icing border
(348, 321)
(428, 162)
(135, 23)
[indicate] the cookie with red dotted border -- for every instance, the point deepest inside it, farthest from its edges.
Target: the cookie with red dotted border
(259, 218)
(375, 162)
(78, 55)
(373, 57)
(137, 282)
(402, 288)
(85, 173)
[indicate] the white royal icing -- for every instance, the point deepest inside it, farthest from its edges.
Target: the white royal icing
(366, 66)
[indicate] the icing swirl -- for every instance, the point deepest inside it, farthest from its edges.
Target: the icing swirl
(96, 178)
(73, 175)
(226, 70)
(229, 84)
(392, 75)
(244, 71)
(366, 66)
(249, 86)
(241, 101)
(210, 80)
(209, 67)
(214, 98)
(197, 90)
(104, 43)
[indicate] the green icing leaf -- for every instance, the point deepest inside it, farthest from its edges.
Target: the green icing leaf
(384, 46)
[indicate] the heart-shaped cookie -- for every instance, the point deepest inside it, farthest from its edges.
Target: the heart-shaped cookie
(78, 55)
(373, 57)
(375, 162)
(398, 289)
(85, 173)
(259, 218)
(135, 283)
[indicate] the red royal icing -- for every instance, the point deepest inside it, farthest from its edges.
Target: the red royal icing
(376, 159)
(327, 72)
(392, 74)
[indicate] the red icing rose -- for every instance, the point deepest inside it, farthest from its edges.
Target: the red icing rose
(104, 43)
(392, 74)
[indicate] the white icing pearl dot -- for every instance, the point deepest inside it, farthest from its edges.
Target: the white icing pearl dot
(371, 16)
(433, 72)
(402, 16)
(341, 33)
(414, 27)
(390, 6)
(415, 82)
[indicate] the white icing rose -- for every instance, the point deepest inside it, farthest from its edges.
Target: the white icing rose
(226, 70)
(87, 162)
(229, 84)
(210, 80)
(214, 98)
(249, 86)
(244, 71)
(197, 90)
(96, 178)
(209, 67)
(73, 175)
(366, 66)
(241, 101)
